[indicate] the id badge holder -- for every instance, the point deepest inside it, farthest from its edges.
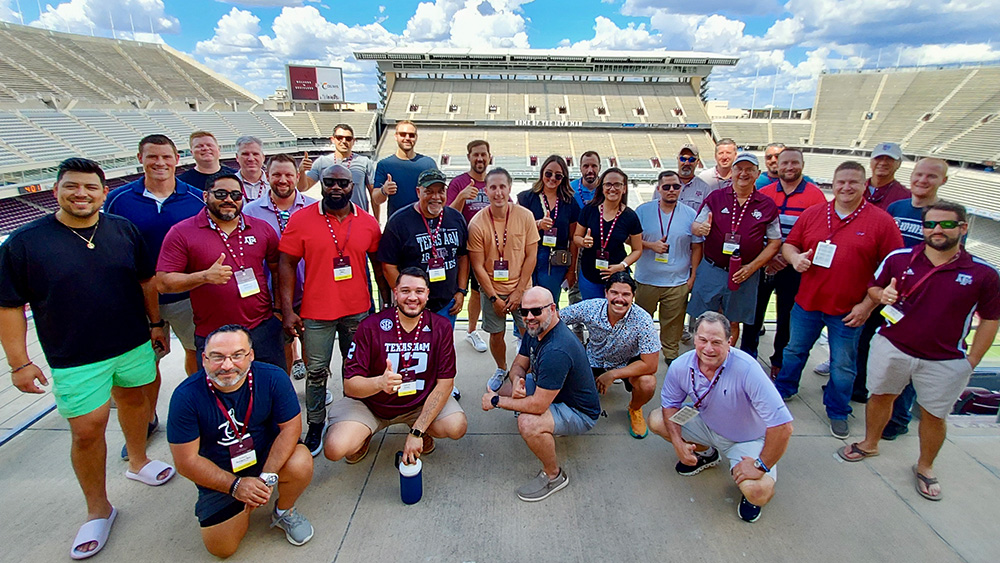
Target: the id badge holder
(825, 251)
(663, 257)
(435, 269)
(501, 270)
(246, 282)
(407, 388)
(892, 314)
(602, 260)
(684, 415)
(731, 244)
(549, 237)
(242, 455)
(342, 268)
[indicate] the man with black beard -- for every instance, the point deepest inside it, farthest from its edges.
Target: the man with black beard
(334, 236)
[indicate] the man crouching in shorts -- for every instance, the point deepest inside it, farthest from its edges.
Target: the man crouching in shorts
(234, 430)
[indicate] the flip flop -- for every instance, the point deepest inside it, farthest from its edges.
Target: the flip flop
(93, 530)
(149, 472)
(928, 481)
(853, 449)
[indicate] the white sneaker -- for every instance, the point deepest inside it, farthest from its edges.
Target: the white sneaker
(329, 397)
(823, 369)
(473, 339)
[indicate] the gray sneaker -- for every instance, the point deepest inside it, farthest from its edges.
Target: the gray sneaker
(497, 379)
(541, 486)
(686, 337)
(822, 369)
(477, 343)
(839, 428)
(298, 370)
(297, 528)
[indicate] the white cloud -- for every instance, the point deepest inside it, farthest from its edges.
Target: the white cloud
(264, 3)
(87, 16)
(608, 36)
(7, 11)
(236, 32)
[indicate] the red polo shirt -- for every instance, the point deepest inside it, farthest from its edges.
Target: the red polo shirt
(308, 236)
(861, 245)
(193, 246)
(883, 196)
(945, 301)
(791, 206)
(759, 212)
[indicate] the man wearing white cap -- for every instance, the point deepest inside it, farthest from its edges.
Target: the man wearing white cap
(883, 188)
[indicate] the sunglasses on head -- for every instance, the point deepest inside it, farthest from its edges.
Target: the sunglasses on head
(944, 224)
(347, 138)
(550, 174)
(670, 187)
(687, 159)
(221, 195)
(342, 182)
(535, 311)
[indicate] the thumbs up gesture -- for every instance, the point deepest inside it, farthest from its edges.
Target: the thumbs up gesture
(702, 229)
(890, 294)
(217, 273)
(803, 261)
(469, 191)
(306, 164)
(390, 380)
(389, 187)
(588, 241)
(546, 221)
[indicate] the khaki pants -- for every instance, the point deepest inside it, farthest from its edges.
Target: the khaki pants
(672, 303)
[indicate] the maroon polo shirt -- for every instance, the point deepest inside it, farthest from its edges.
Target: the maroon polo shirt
(945, 301)
(760, 211)
(193, 246)
(883, 196)
(861, 245)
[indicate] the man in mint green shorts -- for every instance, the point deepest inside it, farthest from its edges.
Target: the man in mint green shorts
(88, 278)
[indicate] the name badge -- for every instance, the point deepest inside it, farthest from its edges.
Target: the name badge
(824, 254)
(601, 263)
(731, 244)
(242, 455)
(435, 269)
(408, 388)
(662, 257)
(549, 237)
(501, 270)
(684, 415)
(246, 282)
(342, 268)
(892, 314)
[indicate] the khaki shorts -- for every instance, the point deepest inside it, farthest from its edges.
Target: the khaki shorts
(180, 319)
(348, 409)
(938, 383)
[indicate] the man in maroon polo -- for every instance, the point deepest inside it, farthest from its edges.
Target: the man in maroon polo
(934, 284)
(883, 188)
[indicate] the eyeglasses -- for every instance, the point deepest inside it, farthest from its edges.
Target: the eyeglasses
(235, 357)
(687, 159)
(221, 195)
(944, 224)
(406, 135)
(535, 311)
(342, 182)
(558, 175)
(671, 187)
(614, 185)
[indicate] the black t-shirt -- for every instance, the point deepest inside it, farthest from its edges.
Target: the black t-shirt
(88, 304)
(560, 362)
(406, 243)
(628, 224)
(197, 179)
(566, 217)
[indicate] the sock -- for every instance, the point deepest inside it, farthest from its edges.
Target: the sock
(707, 453)
(558, 473)
(280, 512)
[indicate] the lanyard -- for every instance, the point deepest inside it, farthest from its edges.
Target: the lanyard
(496, 239)
(225, 240)
(225, 412)
(437, 230)
(904, 294)
(281, 216)
(659, 215)
(404, 364)
(346, 163)
(699, 400)
(336, 243)
(600, 225)
(735, 226)
(846, 220)
(553, 212)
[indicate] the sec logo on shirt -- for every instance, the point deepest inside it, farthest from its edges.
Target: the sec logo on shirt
(385, 325)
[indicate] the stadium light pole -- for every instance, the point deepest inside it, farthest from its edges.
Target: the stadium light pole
(753, 100)
(774, 93)
(19, 13)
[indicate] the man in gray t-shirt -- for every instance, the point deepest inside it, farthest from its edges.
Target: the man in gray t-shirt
(362, 168)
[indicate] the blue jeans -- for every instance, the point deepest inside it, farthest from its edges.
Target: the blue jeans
(444, 312)
(589, 289)
(806, 327)
(548, 276)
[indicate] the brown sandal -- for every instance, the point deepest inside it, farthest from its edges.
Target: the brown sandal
(854, 450)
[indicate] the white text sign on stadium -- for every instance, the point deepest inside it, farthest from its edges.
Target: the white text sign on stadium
(315, 83)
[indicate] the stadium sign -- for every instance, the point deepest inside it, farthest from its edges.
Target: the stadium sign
(315, 83)
(31, 189)
(547, 123)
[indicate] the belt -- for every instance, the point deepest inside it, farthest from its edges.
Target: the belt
(711, 263)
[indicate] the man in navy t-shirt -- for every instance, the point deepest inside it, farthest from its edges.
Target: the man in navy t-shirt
(234, 431)
(396, 175)
(551, 386)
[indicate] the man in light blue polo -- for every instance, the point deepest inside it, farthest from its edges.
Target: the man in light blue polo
(736, 411)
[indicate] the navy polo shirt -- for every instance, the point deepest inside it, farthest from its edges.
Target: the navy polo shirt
(154, 219)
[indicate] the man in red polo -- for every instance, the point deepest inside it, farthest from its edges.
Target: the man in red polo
(934, 284)
(334, 237)
(836, 247)
(223, 258)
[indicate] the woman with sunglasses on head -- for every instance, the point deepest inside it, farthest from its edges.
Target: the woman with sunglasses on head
(551, 201)
(606, 224)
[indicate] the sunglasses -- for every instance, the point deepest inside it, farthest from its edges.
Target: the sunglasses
(342, 182)
(221, 195)
(687, 159)
(558, 175)
(407, 135)
(535, 311)
(944, 224)
(347, 138)
(671, 187)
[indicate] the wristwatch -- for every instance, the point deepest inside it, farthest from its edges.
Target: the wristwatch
(269, 479)
(463, 291)
(760, 465)
(493, 298)
(158, 324)
(495, 401)
(416, 433)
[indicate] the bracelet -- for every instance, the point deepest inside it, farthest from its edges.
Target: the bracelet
(234, 486)
(19, 368)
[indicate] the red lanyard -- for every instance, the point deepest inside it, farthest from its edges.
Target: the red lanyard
(904, 294)
(600, 226)
(404, 364)
(715, 380)
(659, 215)
(336, 243)
(225, 240)
(846, 220)
(236, 427)
(281, 216)
(496, 239)
(735, 226)
(346, 163)
(437, 230)
(553, 212)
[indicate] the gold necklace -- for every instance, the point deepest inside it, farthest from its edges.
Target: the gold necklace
(90, 241)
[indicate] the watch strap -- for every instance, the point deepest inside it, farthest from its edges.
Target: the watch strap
(416, 433)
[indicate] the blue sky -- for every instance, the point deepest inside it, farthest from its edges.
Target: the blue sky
(783, 46)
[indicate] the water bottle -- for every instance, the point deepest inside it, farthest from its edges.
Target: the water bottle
(735, 263)
(411, 484)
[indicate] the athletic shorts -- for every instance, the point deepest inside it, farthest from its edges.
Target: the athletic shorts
(938, 383)
(83, 389)
(349, 409)
(180, 319)
(494, 324)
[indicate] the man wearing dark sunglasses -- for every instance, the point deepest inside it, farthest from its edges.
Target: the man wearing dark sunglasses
(931, 292)
(362, 168)
(396, 175)
(693, 188)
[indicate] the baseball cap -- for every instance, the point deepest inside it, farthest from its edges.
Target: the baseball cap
(430, 177)
(690, 148)
(888, 149)
(746, 157)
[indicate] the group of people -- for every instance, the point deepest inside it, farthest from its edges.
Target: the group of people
(258, 282)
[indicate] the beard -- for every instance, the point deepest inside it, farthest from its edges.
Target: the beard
(332, 201)
(224, 215)
(402, 311)
(216, 377)
(542, 327)
(947, 244)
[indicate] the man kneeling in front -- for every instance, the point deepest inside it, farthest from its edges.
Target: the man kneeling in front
(234, 430)
(736, 411)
